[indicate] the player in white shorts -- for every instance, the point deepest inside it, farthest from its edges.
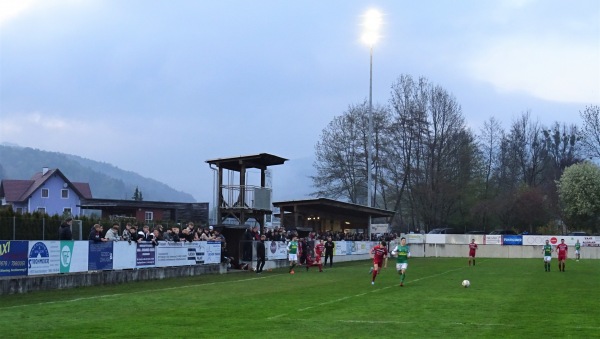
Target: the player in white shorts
(547, 250)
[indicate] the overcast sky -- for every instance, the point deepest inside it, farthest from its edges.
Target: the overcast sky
(159, 87)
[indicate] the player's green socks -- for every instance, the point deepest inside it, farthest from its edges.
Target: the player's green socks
(402, 277)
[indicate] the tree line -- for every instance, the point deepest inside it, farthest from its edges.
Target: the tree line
(434, 171)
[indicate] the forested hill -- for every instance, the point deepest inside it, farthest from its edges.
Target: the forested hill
(106, 180)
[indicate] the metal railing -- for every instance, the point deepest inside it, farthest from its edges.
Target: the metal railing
(246, 197)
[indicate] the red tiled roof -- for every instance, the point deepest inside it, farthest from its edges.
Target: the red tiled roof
(12, 190)
(38, 180)
(84, 189)
(20, 190)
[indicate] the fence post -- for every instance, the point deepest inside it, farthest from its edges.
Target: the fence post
(14, 228)
(43, 228)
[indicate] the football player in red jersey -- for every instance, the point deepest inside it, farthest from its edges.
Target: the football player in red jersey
(472, 249)
(319, 248)
(561, 249)
(378, 253)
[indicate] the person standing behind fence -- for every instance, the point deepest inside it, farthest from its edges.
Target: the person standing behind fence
(126, 236)
(329, 247)
(96, 234)
(113, 233)
(65, 232)
(260, 254)
(144, 234)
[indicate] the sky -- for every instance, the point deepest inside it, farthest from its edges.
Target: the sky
(159, 86)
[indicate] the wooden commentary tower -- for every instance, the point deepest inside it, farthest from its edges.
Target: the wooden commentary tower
(241, 202)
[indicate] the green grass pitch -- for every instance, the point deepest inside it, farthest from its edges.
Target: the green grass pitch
(507, 298)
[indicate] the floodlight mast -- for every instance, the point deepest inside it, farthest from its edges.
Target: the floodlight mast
(372, 24)
(370, 36)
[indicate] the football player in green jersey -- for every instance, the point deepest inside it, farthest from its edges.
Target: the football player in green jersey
(293, 253)
(547, 249)
(402, 252)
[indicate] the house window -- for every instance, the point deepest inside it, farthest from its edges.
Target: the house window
(149, 216)
(67, 211)
(42, 210)
(45, 193)
(64, 194)
(19, 210)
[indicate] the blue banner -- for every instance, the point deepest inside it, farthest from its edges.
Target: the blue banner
(100, 256)
(512, 240)
(13, 258)
(145, 255)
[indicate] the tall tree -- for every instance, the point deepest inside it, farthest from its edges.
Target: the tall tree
(525, 145)
(560, 148)
(137, 195)
(429, 134)
(579, 191)
(404, 146)
(489, 154)
(590, 131)
(341, 155)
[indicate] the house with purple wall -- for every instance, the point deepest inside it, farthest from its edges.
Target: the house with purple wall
(47, 192)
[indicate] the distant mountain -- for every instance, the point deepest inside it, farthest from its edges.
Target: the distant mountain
(106, 180)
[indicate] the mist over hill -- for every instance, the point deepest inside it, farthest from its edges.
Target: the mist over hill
(106, 181)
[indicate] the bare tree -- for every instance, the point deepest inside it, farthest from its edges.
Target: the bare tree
(341, 155)
(490, 141)
(590, 131)
(427, 139)
(525, 145)
(404, 145)
(561, 149)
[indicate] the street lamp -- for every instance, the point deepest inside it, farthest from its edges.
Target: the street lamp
(370, 36)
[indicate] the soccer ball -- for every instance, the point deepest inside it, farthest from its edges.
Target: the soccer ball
(466, 283)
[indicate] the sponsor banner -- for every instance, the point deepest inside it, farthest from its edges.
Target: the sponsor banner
(340, 247)
(380, 228)
(74, 256)
(13, 258)
(276, 250)
(124, 255)
(212, 252)
(414, 238)
(358, 247)
(43, 257)
(494, 239)
(512, 240)
(590, 241)
(145, 255)
(539, 240)
(170, 253)
(196, 252)
(349, 245)
(100, 256)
